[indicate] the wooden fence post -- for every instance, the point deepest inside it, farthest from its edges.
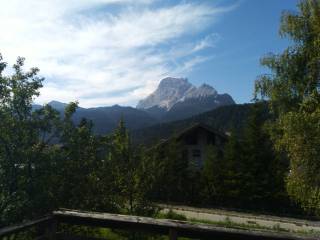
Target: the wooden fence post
(41, 229)
(173, 235)
(52, 229)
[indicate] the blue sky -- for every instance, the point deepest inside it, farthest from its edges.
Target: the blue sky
(106, 52)
(247, 33)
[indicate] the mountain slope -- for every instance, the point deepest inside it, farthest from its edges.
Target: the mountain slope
(106, 119)
(224, 118)
(195, 106)
(176, 98)
(169, 91)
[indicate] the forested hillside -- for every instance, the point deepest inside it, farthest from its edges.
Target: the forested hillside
(224, 119)
(106, 119)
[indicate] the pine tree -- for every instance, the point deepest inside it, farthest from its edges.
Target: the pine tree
(212, 176)
(262, 171)
(232, 171)
(129, 169)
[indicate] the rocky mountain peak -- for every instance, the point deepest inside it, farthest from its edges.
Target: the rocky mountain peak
(171, 82)
(207, 88)
(204, 90)
(169, 91)
(173, 90)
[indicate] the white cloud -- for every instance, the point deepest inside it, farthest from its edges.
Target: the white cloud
(87, 53)
(208, 42)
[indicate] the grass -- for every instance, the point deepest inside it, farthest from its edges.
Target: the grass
(227, 223)
(172, 215)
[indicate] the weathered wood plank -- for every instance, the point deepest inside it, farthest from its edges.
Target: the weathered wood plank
(41, 237)
(162, 226)
(61, 236)
(20, 227)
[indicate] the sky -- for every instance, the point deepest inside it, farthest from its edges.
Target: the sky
(107, 52)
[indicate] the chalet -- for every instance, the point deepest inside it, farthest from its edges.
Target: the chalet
(195, 141)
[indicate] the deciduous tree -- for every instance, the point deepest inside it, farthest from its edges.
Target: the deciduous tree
(292, 90)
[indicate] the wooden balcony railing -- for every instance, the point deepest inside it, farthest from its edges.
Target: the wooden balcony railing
(49, 227)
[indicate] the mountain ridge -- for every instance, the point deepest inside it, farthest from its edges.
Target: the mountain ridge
(174, 99)
(224, 119)
(177, 98)
(106, 119)
(171, 91)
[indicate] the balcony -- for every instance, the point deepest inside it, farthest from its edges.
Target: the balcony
(51, 228)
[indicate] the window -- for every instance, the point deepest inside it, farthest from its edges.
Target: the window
(196, 153)
(185, 154)
(191, 140)
(210, 139)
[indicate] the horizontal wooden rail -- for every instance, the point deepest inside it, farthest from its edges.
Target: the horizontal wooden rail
(7, 231)
(46, 228)
(172, 228)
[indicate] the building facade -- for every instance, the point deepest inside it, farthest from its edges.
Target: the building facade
(194, 142)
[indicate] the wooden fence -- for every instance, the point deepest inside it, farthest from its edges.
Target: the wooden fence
(50, 227)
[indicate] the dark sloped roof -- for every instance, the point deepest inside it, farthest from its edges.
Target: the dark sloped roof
(203, 126)
(190, 129)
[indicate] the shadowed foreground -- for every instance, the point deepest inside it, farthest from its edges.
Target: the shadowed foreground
(51, 227)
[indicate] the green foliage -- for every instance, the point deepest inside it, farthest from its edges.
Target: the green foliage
(211, 175)
(301, 141)
(264, 170)
(293, 93)
(245, 173)
(252, 173)
(23, 144)
(171, 171)
(130, 171)
(78, 175)
(173, 215)
(224, 118)
(47, 161)
(295, 72)
(231, 169)
(178, 180)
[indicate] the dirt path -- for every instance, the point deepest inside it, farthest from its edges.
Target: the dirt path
(216, 215)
